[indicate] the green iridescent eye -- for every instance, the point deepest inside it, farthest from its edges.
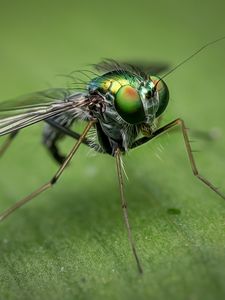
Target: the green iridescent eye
(163, 92)
(129, 105)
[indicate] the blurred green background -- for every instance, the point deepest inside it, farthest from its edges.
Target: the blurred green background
(70, 242)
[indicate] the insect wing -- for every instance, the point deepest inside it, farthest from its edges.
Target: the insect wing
(29, 109)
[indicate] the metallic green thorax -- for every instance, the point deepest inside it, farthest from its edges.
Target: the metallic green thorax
(111, 82)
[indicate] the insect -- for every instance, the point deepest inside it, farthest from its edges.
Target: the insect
(123, 106)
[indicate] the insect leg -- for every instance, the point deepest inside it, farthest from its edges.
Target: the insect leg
(7, 142)
(54, 179)
(73, 134)
(124, 207)
(180, 122)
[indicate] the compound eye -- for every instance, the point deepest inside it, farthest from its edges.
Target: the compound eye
(163, 92)
(129, 105)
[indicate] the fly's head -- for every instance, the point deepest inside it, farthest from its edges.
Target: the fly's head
(142, 103)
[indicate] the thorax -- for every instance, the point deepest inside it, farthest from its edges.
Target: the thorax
(112, 130)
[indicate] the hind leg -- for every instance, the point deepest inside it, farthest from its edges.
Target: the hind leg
(56, 129)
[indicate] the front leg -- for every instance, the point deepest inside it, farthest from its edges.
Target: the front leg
(180, 122)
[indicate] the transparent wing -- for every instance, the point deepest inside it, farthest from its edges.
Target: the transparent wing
(108, 65)
(29, 109)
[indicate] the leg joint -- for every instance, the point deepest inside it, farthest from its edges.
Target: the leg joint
(195, 172)
(53, 180)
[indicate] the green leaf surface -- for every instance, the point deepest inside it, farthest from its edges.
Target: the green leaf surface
(71, 242)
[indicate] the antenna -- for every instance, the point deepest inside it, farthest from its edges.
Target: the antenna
(191, 56)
